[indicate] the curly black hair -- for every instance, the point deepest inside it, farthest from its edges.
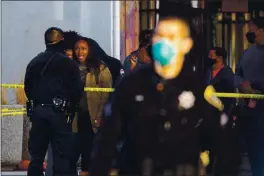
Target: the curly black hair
(70, 39)
(145, 37)
(93, 60)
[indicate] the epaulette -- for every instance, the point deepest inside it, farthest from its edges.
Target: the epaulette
(212, 99)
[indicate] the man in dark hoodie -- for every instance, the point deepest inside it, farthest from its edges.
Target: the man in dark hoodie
(114, 65)
(249, 79)
(142, 55)
(222, 78)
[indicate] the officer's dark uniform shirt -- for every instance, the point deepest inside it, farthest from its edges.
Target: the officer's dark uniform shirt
(60, 79)
(165, 125)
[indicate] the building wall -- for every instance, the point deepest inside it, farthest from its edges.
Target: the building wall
(24, 24)
(129, 27)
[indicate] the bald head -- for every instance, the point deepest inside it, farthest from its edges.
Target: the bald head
(173, 26)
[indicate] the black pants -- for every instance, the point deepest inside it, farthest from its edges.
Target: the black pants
(85, 138)
(51, 127)
(253, 131)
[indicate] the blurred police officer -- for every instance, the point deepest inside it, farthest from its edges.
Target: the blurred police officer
(161, 116)
(53, 88)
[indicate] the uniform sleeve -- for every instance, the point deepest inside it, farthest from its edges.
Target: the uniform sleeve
(238, 77)
(28, 82)
(209, 126)
(105, 83)
(75, 84)
(211, 109)
(105, 142)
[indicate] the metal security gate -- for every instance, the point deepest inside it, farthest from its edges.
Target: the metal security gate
(228, 30)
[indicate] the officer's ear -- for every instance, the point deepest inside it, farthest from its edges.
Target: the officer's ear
(187, 45)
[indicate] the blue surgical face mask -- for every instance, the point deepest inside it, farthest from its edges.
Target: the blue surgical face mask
(163, 52)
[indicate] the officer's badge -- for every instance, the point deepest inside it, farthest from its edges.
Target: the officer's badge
(139, 98)
(186, 100)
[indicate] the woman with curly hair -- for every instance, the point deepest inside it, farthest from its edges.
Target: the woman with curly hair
(70, 38)
(94, 73)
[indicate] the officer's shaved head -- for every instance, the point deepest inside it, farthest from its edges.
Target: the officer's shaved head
(174, 24)
(176, 30)
(53, 35)
(175, 34)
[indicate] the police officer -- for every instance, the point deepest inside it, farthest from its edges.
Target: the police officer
(70, 39)
(53, 88)
(163, 117)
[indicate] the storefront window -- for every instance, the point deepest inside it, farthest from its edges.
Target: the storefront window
(148, 14)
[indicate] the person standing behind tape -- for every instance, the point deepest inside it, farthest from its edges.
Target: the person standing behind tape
(221, 77)
(141, 55)
(53, 88)
(249, 79)
(95, 74)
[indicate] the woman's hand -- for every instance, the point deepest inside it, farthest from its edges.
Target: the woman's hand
(133, 62)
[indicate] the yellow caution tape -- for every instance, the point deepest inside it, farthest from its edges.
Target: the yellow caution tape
(12, 109)
(94, 89)
(239, 95)
(13, 86)
(13, 113)
(97, 89)
(90, 89)
(204, 156)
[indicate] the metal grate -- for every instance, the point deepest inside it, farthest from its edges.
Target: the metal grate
(148, 14)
